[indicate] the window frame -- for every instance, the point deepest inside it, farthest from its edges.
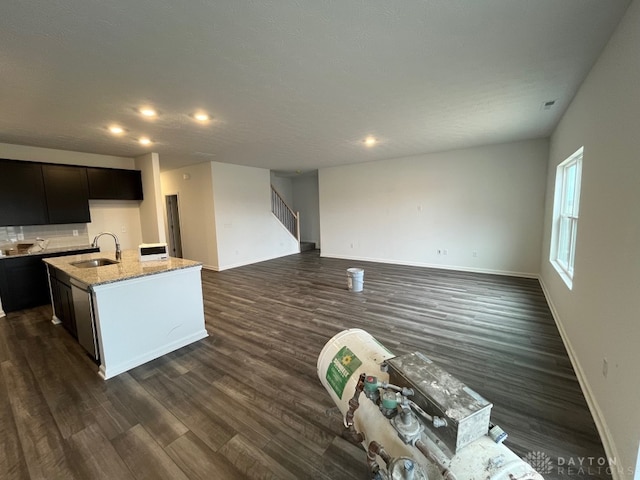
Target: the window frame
(566, 207)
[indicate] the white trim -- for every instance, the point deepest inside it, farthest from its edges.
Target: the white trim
(560, 194)
(435, 265)
(252, 261)
(166, 216)
(561, 271)
(112, 371)
(598, 418)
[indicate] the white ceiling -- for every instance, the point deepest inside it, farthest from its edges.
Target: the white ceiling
(292, 84)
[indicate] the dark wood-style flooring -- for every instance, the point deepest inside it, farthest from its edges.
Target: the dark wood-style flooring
(246, 402)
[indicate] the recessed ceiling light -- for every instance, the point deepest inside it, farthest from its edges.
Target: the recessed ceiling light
(201, 116)
(148, 112)
(116, 129)
(144, 141)
(370, 141)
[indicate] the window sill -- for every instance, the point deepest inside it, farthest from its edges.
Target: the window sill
(563, 275)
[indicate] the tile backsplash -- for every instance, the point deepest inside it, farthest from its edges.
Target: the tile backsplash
(57, 235)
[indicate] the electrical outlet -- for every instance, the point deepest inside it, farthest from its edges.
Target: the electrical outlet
(605, 367)
(445, 252)
(351, 245)
(123, 229)
(475, 254)
(75, 233)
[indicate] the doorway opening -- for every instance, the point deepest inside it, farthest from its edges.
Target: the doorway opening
(173, 225)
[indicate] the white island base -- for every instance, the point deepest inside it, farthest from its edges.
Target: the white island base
(143, 318)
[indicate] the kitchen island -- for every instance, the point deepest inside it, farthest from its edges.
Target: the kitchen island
(130, 312)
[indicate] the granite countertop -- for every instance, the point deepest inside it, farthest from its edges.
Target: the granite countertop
(48, 251)
(129, 267)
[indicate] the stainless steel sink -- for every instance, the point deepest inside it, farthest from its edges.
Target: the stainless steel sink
(96, 262)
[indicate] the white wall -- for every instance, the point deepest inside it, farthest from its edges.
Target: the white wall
(600, 316)
(151, 208)
(488, 200)
(119, 217)
(49, 155)
(246, 230)
(306, 201)
(284, 187)
(194, 187)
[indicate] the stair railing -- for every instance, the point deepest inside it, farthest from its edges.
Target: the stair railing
(284, 213)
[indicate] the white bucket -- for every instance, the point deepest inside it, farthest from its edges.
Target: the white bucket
(355, 279)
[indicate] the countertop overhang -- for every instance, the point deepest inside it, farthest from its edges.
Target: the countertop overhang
(129, 267)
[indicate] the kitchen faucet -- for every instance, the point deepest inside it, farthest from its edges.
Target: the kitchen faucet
(118, 251)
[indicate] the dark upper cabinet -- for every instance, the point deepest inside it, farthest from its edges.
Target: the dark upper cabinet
(114, 184)
(34, 193)
(67, 193)
(22, 196)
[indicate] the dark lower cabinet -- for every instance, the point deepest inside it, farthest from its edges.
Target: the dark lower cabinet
(24, 282)
(63, 300)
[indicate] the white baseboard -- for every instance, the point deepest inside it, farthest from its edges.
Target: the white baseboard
(431, 265)
(112, 371)
(252, 261)
(605, 436)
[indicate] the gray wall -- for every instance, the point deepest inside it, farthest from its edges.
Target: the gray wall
(600, 317)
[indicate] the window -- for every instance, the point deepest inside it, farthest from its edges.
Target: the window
(565, 216)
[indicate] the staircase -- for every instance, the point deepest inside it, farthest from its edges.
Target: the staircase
(286, 215)
(306, 246)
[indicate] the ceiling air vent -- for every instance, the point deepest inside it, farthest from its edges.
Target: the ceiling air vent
(548, 105)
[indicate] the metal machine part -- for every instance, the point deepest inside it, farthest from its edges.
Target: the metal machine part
(414, 419)
(404, 468)
(442, 395)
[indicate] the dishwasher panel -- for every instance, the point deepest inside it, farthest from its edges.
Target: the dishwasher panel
(82, 304)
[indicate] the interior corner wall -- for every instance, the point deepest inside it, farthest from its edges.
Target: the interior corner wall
(50, 155)
(600, 316)
(482, 208)
(118, 216)
(151, 208)
(284, 186)
(246, 230)
(194, 188)
(306, 201)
